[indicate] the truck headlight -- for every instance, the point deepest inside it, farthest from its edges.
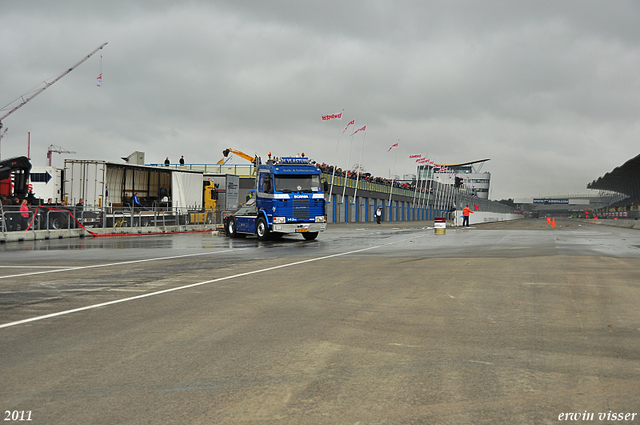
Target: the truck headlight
(321, 219)
(279, 220)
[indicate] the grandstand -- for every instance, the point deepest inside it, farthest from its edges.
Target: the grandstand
(625, 182)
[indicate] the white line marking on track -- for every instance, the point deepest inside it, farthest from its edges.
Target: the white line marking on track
(67, 269)
(179, 288)
(30, 266)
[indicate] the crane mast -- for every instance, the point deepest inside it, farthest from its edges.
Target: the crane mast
(56, 149)
(43, 88)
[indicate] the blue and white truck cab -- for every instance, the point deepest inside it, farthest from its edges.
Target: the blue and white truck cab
(289, 198)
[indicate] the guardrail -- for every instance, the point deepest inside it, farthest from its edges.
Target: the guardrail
(436, 194)
(67, 218)
(238, 170)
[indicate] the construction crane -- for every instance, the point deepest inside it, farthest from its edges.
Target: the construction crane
(56, 149)
(45, 85)
(2, 136)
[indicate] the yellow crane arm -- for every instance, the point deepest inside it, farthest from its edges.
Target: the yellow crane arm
(226, 153)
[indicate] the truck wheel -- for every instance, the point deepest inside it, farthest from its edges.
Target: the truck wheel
(309, 236)
(55, 223)
(232, 232)
(262, 230)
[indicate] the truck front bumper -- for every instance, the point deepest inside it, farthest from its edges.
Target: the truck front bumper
(299, 227)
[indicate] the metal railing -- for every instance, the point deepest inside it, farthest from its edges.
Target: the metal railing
(438, 195)
(238, 170)
(66, 218)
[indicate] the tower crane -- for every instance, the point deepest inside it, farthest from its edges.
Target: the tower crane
(2, 136)
(56, 149)
(45, 85)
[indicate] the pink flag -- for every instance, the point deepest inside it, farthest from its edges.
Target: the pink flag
(363, 128)
(337, 116)
(395, 145)
(99, 80)
(352, 122)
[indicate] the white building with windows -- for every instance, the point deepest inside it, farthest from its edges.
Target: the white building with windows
(469, 175)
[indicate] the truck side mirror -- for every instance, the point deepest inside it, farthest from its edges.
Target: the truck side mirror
(326, 186)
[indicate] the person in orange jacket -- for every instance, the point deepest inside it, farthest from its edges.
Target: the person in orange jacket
(465, 215)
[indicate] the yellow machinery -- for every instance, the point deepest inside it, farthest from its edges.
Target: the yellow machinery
(210, 198)
(241, 154)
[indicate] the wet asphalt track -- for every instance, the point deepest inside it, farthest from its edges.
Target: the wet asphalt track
(501, 323)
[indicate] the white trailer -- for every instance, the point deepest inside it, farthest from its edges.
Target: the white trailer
(105, 184)
(46, 183)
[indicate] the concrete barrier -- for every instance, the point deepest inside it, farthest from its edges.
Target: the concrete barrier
(621, 222)
(485, 217)
(33, 235)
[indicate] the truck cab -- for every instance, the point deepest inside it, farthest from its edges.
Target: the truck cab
(289, 198)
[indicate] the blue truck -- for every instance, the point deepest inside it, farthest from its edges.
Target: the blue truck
(288, 198)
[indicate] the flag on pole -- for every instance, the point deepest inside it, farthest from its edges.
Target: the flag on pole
(337, 116)
(475, 207)
(415, 156)
(395, 145)
(363, 128)
(352, 122)
(99, 82)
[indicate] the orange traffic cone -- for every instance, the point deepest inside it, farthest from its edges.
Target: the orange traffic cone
(548, 220)
(553, 222)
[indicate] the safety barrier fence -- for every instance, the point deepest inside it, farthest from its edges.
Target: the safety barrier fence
(61, 218)
(354, 200)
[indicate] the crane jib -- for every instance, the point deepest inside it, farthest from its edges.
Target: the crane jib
(46, 85)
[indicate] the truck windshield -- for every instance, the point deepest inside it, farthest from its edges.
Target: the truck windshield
(288, 184)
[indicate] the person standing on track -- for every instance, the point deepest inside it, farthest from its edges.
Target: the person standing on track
(465, 215)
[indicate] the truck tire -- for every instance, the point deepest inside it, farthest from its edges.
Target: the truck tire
(232, 231)
(262, 229)
(309, 236)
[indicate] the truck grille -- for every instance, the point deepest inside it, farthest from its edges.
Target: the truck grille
(301, 209)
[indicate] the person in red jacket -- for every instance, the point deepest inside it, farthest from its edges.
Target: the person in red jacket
(465, 215)
(24, 212)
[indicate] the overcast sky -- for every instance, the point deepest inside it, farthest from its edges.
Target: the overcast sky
(548, 90)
